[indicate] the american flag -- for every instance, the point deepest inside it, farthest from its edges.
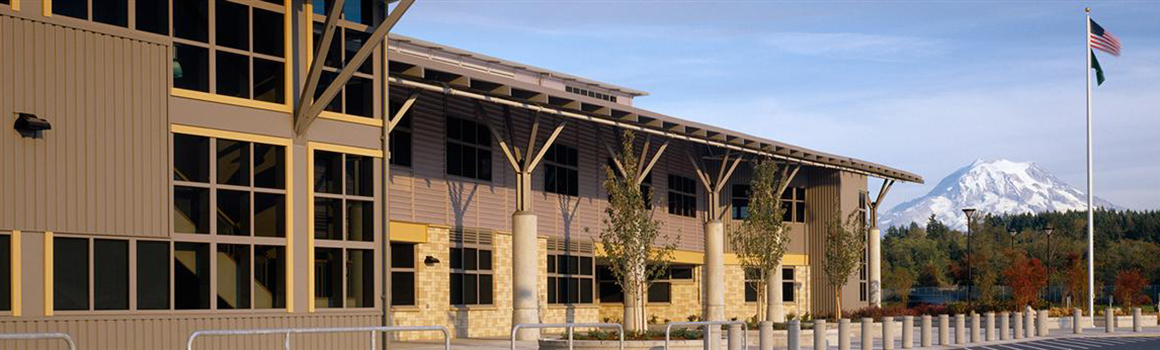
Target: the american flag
(1104, 40)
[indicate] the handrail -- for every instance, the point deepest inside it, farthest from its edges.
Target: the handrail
(39, 336)
(705, 334)
(288, 331)
(571, 327)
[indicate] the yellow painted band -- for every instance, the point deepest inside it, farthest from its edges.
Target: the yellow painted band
(48, 274)
(698, 258)
(230, 100)
(408, 232)
(310, 230)
(369, 152)
(46, 8)
(351, 119)
(288, 44)
(231, 135)
(17, 274)
(15, 5)
(290, 229)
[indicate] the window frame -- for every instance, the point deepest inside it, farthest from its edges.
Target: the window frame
(339, 42)
(477, 146)
(345, 245)
(480, 245)
(679, 199)
(793, 202)
(551, 161)
(553, 275)
(413, 270)
(131, 274)
(13, 265)
(404, 127)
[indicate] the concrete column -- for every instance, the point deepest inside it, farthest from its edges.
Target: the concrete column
(1076, 318)
(1017, 324)
(775, 310)
(819, 334)
(765, 333)
(907, 332)
(736, 338)
(927, 339)
(714, 282)
(887, 333)
(975, 337)
(875, 267)
(525, 274)
(960, 329)
(1041, 326)
(794, 335)
(1029, 317)
(990, 324)
(867, 333)
(1136, 325)
(944, 330)
(1004, 325)
(1109, 321)
(844, 334)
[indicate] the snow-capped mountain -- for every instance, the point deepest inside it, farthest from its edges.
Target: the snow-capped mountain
(995, 187)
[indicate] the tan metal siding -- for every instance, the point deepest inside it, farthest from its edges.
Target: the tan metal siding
(822, 199)
(101, 168)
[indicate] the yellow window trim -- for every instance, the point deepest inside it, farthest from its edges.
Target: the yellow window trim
(310, 230)
(230, 100)
(408, 232)
(48, 274)
(231, 135)
(288, 44)
(351, 118)
(330, 147)
(46, 8)
(14, 253)
(15, 6)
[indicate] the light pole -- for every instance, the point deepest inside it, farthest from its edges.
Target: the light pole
(1048, 230)
(970, 212)
(1013, 233)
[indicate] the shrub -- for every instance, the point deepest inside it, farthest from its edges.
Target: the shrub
(1129, 285)
(1026, 278)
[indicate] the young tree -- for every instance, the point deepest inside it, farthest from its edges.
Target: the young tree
(1076, 280)
(845, 244)
(631, 237)
(762, 239)
(901, 280)
(1026, 277)
(1129, 285)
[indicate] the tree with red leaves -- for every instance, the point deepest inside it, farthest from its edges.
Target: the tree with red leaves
(1026, 277)
(1129, 285)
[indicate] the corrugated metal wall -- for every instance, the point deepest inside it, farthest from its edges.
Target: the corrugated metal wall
(822, 199)
(102, 168)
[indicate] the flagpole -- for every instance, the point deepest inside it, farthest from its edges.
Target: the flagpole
(1090, 214)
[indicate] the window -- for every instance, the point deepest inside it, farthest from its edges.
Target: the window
(787, 285)
(752, 284)
(740, 201)
(561, 174)
(109, 274)
(153, 16)
(357, 97)
(607, 287)
(245, 183)
(115, 12)
(70, 261)
(646, 192)
(5, 272)
(682, 196)
(863, 278)
(152, 275)
(660, 291)
(358, 11)
(570, 279)
(468, 149)
(471, 269)
(401, 138)
(247, 51)
(402, 274)
(344, 220)
(793, 203)
(592, 94)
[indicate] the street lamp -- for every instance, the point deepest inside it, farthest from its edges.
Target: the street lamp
(1013, 233)
(1048, 230)
(970, 212)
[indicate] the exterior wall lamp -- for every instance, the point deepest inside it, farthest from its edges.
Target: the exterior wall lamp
(28, 125)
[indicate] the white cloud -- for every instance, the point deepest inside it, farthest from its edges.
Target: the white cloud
(858, 46)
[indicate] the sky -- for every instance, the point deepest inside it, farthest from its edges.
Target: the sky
(923, 86)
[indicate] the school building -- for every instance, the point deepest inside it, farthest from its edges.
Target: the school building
(178, 165)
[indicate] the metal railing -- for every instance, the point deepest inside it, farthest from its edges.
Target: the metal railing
(40, 336)
(286, 332)
(571, 327)
(706, 333)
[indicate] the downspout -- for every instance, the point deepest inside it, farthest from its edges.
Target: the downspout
(386, 191)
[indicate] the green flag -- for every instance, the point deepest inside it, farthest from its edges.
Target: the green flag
(1099, 71)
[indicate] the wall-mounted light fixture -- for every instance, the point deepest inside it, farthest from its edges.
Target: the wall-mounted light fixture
(430, 260)
(28, 125)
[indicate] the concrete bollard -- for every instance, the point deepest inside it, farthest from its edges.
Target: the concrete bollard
(1041, 326)
(944, 330)
(887, 333)
(926, 338)
(1109, 320)
(976, 337)
(1076, 319)
(1029, 318)
(990, 324)
(1136, 326)
(960, 329)
(844, 334)
(1004, 325)
(907, 332)
(819, 334)
(793, 336)
(867, 333)
(765, 335)
(1017, 325)
(735, 337)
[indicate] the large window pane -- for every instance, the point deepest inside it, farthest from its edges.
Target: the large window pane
(334, 53)
(190, 158)
(360, 220)
(152, 275)
(153, 16)
(269, 215)
(327, 277)
(269, 277)
(110, 274)
(328, 218)
(360, 176)
(115, 12)
(360, 94)
(70, 261)
(233, 162)
(269, 81)
(233, 213)
(355, 41)
(233, 78)
(402, 255)
(360, 274)
(268, 28)
(5, 273)
(233, 26)
(71, 8)
(327, 172)
(190, 209)
(233, 276)
(190, 66)
(402, 288)
(191, 19)
(191, 275)
(269, 166)
(485, 290)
